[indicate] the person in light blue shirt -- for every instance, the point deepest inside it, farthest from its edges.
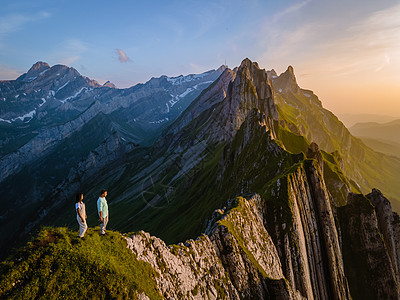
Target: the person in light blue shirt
(102, 208)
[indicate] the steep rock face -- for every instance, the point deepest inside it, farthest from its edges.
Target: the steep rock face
(222, 108)
(186, 271)
(286, 81)
(387, 226)
(238, 260)
(304, 231)
(367, 253)
(208, 98)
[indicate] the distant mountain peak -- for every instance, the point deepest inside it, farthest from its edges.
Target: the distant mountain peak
(36, 70)
(287, 81)
(110, 84)
(39, 66)
(272, 74)
(288, 75)
(222, 68)
(247, 62)
(290, 70)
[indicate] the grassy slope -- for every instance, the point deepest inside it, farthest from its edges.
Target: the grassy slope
(57, 264)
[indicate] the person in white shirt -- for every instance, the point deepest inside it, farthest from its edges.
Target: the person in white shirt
(81, 214)
(102, 208)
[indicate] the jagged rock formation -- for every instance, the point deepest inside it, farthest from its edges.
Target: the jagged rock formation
(238, 260)
(286, 81)
(110, 85)
(303, 260)
(370, 246)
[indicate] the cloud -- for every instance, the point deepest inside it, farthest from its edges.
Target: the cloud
(289, 10)
(69, 60)
(14, 22)
(371, 44)
(69, 51)
(122, 57)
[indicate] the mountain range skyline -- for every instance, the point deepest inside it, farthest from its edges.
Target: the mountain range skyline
(338, 57)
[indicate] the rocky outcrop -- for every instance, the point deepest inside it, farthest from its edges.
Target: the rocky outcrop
(370, 247)
(251, 89)
(236, 260)
(303, 228)
(314, 153)
(388, 226)
(286, 82)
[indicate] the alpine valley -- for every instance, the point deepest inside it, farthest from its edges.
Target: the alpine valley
(233, 184)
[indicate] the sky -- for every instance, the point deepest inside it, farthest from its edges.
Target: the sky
(347, 52)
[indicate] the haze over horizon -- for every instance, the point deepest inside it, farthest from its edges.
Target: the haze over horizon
(347, 53)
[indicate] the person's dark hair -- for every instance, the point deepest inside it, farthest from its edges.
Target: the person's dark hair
(102, 192)
(78, 197)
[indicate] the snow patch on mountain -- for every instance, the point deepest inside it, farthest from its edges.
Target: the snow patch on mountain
(29, 115)
(7, 121)
(175, 99)
(183, 79)
(159, 121)
(51, 94)
(41, 73)
(74, 96)
(63, 86)
(43, 102)
(31, 79)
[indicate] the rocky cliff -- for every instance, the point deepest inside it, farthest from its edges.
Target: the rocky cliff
(236, 260)
(301, 259)
(370, 246)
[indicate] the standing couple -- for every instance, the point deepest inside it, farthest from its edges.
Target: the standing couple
(102, 209)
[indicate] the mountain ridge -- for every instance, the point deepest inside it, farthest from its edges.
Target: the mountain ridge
(243, 137)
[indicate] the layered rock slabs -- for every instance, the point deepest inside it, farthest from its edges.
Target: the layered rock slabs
(236, 260)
